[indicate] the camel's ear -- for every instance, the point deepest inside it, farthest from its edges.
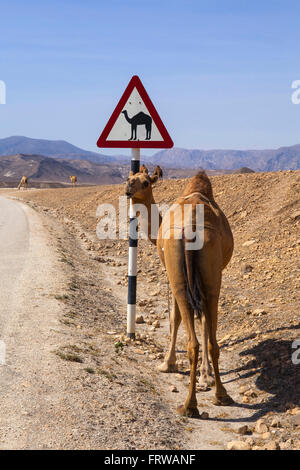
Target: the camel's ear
(154, 178)
(131, 173)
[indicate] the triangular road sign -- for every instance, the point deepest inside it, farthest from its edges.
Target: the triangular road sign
(135, 123)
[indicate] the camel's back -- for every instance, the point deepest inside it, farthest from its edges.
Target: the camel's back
(197, 214)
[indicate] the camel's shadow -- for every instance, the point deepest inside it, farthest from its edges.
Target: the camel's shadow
(278, 376)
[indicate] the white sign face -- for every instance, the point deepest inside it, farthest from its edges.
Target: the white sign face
(134, 122)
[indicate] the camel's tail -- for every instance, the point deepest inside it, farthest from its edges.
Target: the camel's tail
(194, 285)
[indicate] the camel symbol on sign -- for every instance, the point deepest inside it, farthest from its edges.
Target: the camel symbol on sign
(139, 120)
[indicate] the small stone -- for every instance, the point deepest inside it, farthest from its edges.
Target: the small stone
(246, 268)
(275, 423)
(204, 415)
(296, 420)
(243, 430)
(249, 242)
(261, 427)
(259, 312)
(243, 389)
(140, 319)
(238, 445)
(174, 389)
(266, 435)
(272, 445)
(250, 393)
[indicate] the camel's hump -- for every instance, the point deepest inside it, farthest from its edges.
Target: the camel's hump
(141, 115)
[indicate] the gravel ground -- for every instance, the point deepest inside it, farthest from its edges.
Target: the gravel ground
(127, 403)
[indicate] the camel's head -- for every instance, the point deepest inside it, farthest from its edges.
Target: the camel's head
(139, 185)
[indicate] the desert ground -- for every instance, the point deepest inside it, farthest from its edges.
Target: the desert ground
(86, 386)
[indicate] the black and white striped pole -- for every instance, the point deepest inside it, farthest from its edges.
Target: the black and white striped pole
(132, 255)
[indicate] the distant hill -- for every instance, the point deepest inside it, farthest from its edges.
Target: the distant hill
(50, 148)
(39, 168)
(284, 158)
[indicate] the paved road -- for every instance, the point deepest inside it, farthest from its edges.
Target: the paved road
(14, 245)
(31, 376)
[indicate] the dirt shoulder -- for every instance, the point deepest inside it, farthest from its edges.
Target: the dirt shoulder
(259, 320)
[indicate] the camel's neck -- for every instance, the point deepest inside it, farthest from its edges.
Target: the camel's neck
(154, 217)
(126, 117)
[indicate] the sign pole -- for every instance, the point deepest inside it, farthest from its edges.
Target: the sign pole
(132, 256)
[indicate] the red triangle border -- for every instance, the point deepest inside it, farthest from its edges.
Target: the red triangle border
(167, 142)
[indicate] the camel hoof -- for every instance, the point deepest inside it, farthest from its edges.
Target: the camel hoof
(165, 367)
(224, 400)
(206, 382)
(188, 412)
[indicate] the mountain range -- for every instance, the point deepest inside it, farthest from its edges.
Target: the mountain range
(56, 160)
(284, 158)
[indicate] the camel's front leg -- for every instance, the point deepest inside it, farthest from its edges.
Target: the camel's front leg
(169, 364)
(206, 375)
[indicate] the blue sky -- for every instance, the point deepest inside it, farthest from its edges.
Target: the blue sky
(218, 72)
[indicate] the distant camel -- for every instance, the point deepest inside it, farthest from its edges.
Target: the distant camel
(144, 169)
(139, 120)
(158, 171)
(73, 180)
(23, 182)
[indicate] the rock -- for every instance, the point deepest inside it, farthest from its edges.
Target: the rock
(238, 445)
(156, 324)
(243, 389)
(243, 430)
(275, 423)
(174, 389)
(296, 420)
(295, 215)
(259, 312)
(261, 427)
(249, 242)
(246, 268)
(272, 445)
(266, 435)
(204, 415)
(140, 319)
(250, 393)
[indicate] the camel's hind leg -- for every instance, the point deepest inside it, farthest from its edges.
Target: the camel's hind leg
(190, 406)
(221, 396)
(206, 375)
(169, 364)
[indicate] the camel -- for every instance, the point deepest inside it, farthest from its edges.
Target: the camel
(194, 276)
(144, 169)
(23, 182)
(139, 120)
(158, 171)
(73, 180)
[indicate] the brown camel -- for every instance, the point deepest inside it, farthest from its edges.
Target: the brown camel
(195, 276)
(144, 169)
(23, 182)
(73, 180)
(158, 171)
